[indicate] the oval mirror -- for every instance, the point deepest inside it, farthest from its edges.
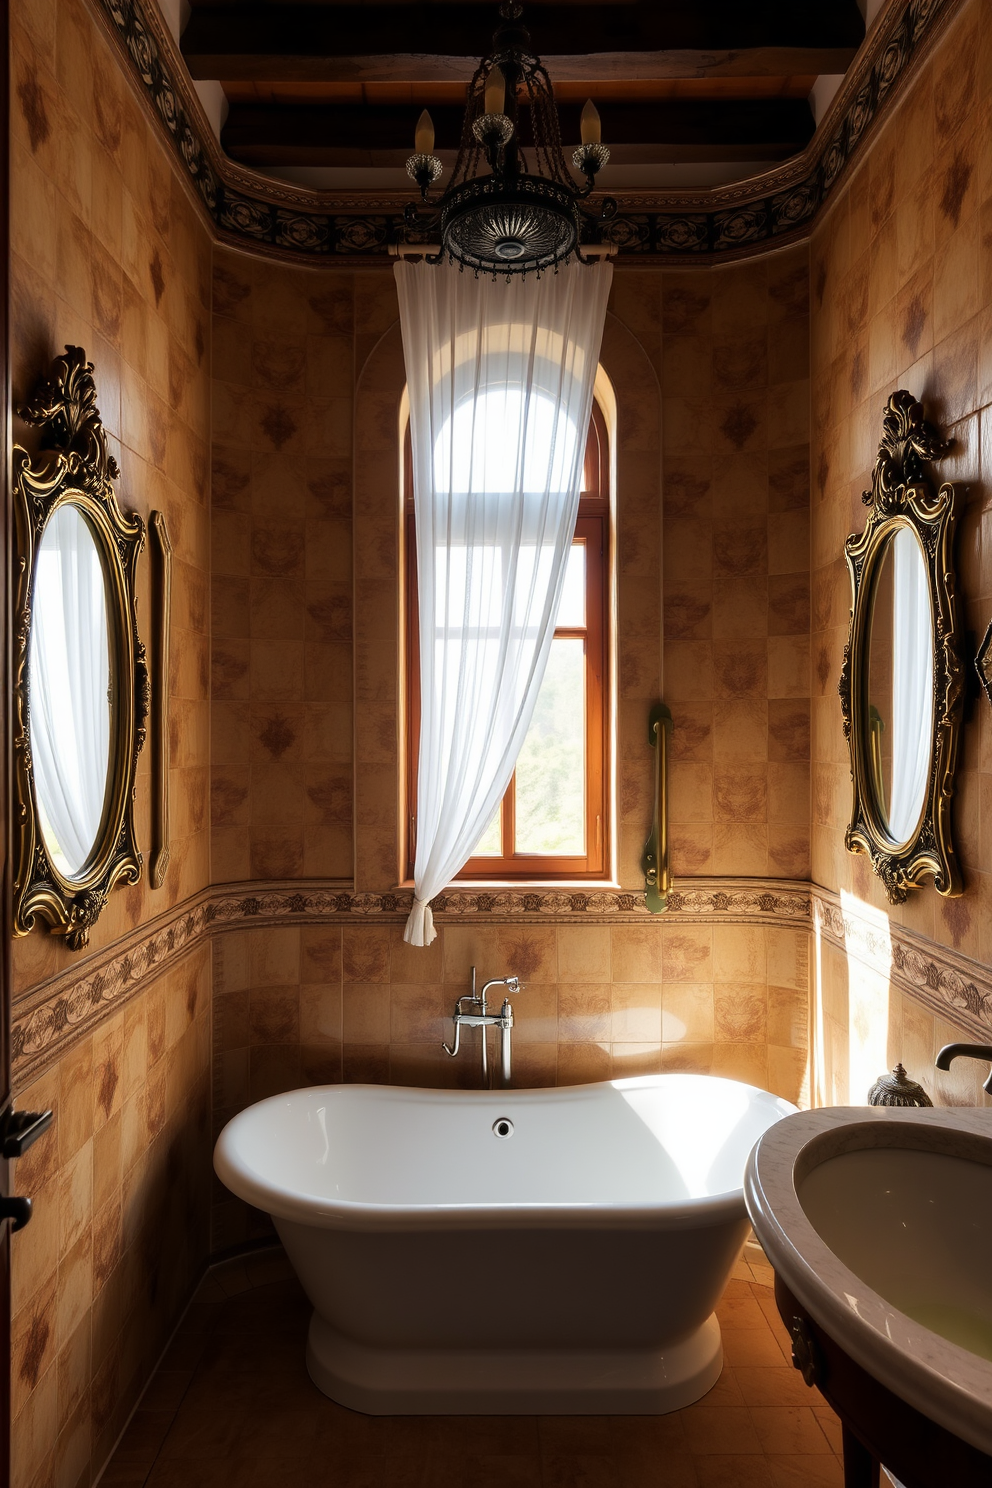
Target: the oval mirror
(81, 685)
(69, 689)
(900, 682)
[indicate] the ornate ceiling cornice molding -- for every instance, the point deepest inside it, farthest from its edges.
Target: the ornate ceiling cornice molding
(337, 229)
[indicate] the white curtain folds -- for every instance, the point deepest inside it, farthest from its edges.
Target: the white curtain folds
(68, 684)
(500, 379)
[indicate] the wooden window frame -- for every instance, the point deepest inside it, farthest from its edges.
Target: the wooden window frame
(593, 528)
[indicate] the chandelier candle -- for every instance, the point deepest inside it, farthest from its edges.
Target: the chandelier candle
(524, 212)
(495, 92)
(424, 138)
(590, 127)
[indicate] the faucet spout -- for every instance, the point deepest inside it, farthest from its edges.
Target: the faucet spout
(966, 1051)
(479, 1017)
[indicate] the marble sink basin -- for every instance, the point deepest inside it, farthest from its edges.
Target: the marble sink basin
(879, 1221)
(917, 1227)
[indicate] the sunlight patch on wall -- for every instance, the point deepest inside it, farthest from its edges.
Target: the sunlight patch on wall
(868, 1000)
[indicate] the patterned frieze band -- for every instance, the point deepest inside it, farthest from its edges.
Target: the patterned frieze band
(58, 1012)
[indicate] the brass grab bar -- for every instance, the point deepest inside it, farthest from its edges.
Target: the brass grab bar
(657, 872)
(876, 728)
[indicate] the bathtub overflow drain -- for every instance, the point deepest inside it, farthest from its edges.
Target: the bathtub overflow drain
(503, 1126)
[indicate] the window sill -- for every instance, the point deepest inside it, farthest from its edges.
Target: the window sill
(531, 885)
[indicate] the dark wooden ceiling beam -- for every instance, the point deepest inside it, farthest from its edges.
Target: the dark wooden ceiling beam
(765, 129)
(415, 42)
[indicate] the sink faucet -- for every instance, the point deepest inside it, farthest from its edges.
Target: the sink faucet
(480, 1017)
(968, 1051)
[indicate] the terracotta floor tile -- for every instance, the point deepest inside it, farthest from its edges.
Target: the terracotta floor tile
(785, 1430)
(769, 1311)
(166, 1390)
(579, 1470)
(719, 1430)
(485, 1436)
(831, 1425)
(737, 1286)
(142, 1441)
(202, 1433)
(807, 1472)
(660, 1436)
(187, 1472)
(236, 1409)
(782, 1386)
(118, 1475)
(740, 1312)
(670, 1470)
(572, 1434)
(733, 1472)
(726, 1391)
(752, 1346)
(476, 1472)
(369, 1471)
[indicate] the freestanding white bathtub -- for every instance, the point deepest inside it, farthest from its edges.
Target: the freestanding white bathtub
(507, 1252)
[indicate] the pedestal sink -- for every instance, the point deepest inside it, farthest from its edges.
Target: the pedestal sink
(878, 1222)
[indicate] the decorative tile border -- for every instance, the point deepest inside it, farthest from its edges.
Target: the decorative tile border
(60, 1011)
(725, 899)
(65, 1008)
(652, 227)
(948, 984)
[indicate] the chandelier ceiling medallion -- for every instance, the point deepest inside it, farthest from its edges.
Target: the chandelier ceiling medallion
(524, 213)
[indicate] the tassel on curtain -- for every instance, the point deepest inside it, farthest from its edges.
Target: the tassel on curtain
(500, 379)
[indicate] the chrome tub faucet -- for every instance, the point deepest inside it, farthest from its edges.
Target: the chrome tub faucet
(480, 1017)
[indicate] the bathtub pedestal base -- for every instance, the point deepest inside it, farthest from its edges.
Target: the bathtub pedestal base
(518, 1382)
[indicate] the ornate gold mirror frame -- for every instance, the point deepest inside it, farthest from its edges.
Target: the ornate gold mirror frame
(75, 468)
(902, 495)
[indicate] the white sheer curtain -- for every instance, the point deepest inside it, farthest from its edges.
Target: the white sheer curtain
(500, 380)
(912, 684)
(68, 681)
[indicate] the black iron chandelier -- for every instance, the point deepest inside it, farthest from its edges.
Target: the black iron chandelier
(525, 213)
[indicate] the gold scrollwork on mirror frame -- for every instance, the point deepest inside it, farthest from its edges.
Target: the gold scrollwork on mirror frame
(80, 675)
(902, 682)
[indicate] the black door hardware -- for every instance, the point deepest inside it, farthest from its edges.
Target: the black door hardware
(16, 1209)
(19, 1131)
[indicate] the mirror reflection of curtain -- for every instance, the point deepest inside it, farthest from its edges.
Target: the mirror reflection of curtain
(500, 379)
(69, 680)
(912, 685)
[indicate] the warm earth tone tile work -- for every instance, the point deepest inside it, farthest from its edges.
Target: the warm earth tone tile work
(902, 297)
(289, 381)
(304, 1006)
(232, 1403)
(109, 253)
(308, 381)
(119, 1233)
(863, 1023)
(734, 376)
(285, 351)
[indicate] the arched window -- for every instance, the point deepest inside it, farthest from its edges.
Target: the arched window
(553, 821)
